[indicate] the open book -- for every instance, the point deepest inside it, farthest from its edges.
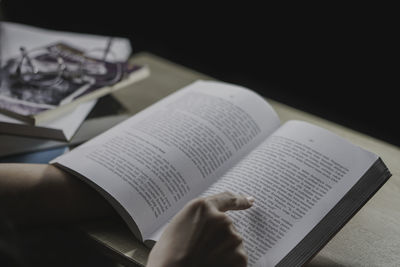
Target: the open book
(210, 137)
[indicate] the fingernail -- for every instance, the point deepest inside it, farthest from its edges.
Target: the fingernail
(250, 199)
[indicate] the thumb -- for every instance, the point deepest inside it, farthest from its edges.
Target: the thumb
(228, 201)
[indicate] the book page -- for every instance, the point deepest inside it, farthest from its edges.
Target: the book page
(155, 162)
(296, 176)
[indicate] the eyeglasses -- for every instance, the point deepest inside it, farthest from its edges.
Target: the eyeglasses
(48, 67)
(40, 68)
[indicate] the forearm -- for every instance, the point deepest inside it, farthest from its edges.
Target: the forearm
(38, 193)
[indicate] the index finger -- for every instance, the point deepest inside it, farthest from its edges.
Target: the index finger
(228, 201)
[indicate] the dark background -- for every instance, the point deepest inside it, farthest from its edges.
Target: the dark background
(338, 62)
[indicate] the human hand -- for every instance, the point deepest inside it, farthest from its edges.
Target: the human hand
(201, 234)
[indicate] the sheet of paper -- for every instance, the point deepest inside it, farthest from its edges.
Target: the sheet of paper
(296, 176)
(166, 155)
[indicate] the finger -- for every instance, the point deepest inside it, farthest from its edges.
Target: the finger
(239, 258)
(228, 201)
(226, 240)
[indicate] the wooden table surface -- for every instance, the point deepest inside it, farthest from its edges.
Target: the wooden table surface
(370, 238)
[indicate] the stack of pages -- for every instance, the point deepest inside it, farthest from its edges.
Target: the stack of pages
(51, 81)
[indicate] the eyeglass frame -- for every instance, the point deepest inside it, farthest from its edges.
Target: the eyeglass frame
(62, 72)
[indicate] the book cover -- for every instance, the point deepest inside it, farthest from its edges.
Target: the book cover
(45, 82)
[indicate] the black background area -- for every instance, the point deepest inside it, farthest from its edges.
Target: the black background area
(338, 62)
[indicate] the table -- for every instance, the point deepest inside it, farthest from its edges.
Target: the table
(372, 236)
